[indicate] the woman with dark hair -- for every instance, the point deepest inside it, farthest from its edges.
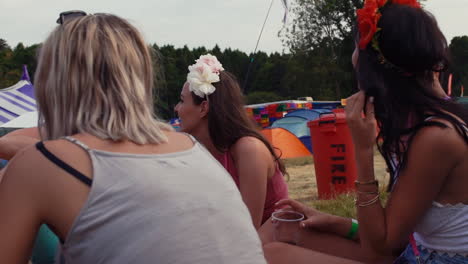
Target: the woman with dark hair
(423, 137)
(211, 108)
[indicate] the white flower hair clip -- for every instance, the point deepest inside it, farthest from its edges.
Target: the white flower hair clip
(202, 74)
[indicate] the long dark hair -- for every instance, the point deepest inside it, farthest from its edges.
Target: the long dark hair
(227, 118)
(400, 78)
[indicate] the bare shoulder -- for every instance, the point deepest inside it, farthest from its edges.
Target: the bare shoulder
(176, 142)
(30, 160)
(31, 174)
(181, 138)
(447, 134)
(249, 146)
(29, 132)
(443, 141)
(33, 166)
(28, 155)
(22, 169)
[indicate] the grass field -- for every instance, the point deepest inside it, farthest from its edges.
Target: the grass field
(303, 187)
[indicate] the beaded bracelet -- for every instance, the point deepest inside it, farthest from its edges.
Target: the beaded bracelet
(373, 182)
(367, 203)
(375, 192)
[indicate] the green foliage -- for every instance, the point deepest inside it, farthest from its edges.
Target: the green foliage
(301, 161)
(12, 60)
(320, 23)
(319, 64)
(459, 53)
(321, 37)
(262, 97)
(343, 205)
(3, 45)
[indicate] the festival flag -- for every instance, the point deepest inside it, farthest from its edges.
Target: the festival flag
(17, 99)
(449, 90)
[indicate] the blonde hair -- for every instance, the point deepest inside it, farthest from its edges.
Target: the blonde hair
(95, 76)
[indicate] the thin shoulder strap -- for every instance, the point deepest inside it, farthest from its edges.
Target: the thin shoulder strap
(461, 128)
(77, 142)
(60, 163)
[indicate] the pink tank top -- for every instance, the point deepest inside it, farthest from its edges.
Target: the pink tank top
(277, 189)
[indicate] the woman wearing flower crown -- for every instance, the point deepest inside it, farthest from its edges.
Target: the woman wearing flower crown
(211, 108)
(423, 138)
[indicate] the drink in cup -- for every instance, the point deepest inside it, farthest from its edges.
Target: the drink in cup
(286, 224)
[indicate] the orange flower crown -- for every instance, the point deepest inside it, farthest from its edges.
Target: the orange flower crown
(368, 17)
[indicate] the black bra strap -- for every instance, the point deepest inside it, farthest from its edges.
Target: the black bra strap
(60, 163)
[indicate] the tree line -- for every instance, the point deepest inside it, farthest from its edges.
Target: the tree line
(320, 43)
(272, 76)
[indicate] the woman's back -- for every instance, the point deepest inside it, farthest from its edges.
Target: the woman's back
(161, 208)
(170, 207)
(444, 227)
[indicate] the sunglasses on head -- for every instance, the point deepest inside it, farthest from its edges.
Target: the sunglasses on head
(67, 15)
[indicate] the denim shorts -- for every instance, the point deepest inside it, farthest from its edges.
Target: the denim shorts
(428, 257)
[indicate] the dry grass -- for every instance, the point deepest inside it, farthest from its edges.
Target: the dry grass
(303, 186)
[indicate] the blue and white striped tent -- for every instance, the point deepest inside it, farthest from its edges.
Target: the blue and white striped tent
(18, 99)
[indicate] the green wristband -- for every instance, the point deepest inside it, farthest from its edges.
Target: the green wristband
(354, 229)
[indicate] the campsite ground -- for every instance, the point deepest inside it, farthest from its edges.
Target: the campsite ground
(303, 187)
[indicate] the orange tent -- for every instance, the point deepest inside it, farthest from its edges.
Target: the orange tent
(288, 144)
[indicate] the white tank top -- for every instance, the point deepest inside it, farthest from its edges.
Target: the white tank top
(444, 228)
(176, 208)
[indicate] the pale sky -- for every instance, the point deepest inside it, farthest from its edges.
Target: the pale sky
(228, 23)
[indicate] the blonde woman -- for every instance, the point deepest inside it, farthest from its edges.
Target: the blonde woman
(116, 185)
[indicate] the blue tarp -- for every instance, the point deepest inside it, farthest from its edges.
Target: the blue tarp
(296, 123)
(463, 101)
(309, 114)
(307, 141)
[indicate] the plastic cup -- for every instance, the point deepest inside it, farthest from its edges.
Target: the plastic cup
(286, 224)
